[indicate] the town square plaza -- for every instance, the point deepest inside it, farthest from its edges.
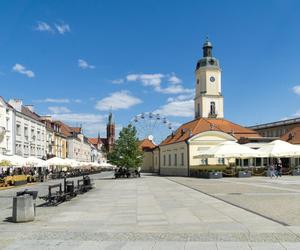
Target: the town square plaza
(154, 212)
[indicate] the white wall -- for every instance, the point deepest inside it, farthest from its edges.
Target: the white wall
(7, 120)
(79, 150)
(30, 136)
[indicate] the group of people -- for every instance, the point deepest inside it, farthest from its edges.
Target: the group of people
(127, 172)
(275, 170)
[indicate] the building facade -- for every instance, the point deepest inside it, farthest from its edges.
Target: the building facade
(30, 132)
(56, 141)
(7, 128)
(287, 130)
(78, 147)
(147, 146)
(97, 153)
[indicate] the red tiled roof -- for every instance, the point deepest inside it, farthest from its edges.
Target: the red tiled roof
(26, 111)
(94, 141)
(146, 144)
(189, 129)
(65, 129)
(292, 136)
(76, 129)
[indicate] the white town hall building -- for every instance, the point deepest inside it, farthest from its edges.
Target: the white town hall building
(178, 153)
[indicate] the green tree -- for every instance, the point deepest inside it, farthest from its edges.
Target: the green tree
(126, 152)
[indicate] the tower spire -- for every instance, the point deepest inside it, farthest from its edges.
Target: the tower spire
(207, 48)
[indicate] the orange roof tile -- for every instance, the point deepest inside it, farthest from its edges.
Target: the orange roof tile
(292, 136)
(146, 144)
(94, 141)
(189, 129)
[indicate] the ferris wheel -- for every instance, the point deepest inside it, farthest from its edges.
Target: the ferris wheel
(153, 126)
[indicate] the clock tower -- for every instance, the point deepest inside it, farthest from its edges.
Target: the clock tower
(208, 98)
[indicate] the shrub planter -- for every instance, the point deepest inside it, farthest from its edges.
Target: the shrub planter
(242, 174)
(211, 175)
(296, 172)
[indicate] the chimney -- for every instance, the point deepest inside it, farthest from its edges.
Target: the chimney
(30, 107)
(16, 103)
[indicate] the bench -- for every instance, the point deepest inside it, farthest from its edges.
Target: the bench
(54, 198)
(84, 184)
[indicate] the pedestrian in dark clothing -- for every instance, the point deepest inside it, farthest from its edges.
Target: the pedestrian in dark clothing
(278, 170)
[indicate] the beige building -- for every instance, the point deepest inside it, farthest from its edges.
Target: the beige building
(78, 146)
(55, 139)
(147, 146)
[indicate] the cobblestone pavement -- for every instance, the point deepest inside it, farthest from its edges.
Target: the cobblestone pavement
(150, 213)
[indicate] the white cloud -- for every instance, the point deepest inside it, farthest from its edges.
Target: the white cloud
(59, 109)
(155, 80)
(43, 26)
(177, 108)
(79, 117)
(174, 89)
(146, 79)
(62, 28)
(296, 89)
(84, 64)
(78, 101)
(118, 81)
(174, 80)
(22, 70)
(181, 97)
(91, 123)
(54, 100)
(118, 100)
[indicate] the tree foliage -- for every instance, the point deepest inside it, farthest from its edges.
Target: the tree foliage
(126, 152)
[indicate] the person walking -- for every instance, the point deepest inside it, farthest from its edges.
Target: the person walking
(278, 170)
(272, 171)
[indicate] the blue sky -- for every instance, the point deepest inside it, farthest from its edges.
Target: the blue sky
(77, 59)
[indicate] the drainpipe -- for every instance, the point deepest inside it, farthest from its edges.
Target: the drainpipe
(188, 156)
(159, 160)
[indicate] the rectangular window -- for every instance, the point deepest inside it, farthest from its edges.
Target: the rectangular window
(18, 129)
(221, 161)
(170, 160)
(7, 123)
(175, 160)
(182, 159)
(164, 160)
(26, 133)
(204, 161)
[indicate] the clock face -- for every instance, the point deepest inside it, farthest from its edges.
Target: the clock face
(212, 79)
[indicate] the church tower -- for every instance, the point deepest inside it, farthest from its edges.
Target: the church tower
(110, 132)
(208, 98)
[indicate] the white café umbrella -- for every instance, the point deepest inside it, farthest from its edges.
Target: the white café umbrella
(73, 163)
(34, 161)
(279, 148)
(230, 150)
(95, 164)
(17, 160)
(56, 161)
